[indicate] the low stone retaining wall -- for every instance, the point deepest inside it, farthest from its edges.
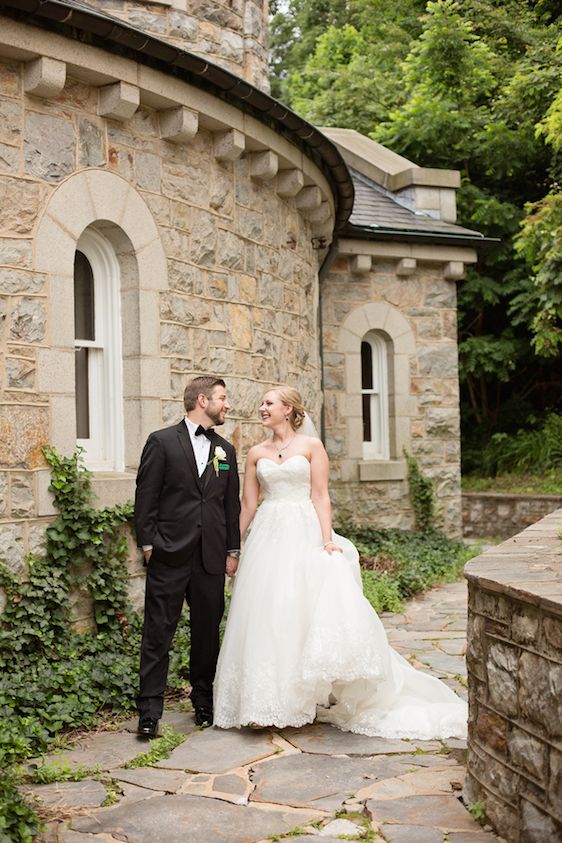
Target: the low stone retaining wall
(514, 659)
(490, 514)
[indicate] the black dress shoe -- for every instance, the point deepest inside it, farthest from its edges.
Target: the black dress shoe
(203, 716)
(148, 726)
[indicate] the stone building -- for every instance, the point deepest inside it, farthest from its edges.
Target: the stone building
(162, 216)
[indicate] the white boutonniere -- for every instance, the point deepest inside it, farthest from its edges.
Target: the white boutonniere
(219, 454)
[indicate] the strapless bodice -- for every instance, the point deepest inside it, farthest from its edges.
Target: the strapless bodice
(286, 481)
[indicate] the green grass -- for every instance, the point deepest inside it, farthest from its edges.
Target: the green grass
(547, 483)
(160, 748)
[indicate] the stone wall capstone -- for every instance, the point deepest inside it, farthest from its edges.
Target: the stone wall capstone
(514, 659)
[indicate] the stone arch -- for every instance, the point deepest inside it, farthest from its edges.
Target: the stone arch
(388, 321)
(108, 204)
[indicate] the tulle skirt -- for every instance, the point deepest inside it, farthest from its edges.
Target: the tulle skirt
(302, 643)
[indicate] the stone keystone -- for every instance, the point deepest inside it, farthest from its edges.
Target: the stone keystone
(263, 165)
(361, 264)
(229, 145)
(407, 266)
(289, 183)
(454, 270)
(119, 101)
(44, 77)
(309, 198)
(178, 125)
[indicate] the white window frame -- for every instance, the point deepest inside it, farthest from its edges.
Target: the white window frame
(104, 450)
(378, 448)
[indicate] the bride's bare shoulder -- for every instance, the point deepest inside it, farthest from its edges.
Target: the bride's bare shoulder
(257, 451)
(312, 442)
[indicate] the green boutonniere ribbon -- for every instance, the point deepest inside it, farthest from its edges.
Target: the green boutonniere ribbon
(219, 454)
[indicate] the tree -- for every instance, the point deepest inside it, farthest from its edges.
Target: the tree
(473, 86)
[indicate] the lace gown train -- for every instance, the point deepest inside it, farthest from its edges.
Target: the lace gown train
(300, 633)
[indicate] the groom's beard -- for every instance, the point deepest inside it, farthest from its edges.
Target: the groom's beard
(217, 418)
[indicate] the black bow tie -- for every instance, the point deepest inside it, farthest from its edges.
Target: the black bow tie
(201, 431)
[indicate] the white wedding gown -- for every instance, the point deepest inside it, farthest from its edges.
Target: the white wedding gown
(300, 633)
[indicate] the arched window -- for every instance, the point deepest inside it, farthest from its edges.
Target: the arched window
(97, 331)
(374, 391)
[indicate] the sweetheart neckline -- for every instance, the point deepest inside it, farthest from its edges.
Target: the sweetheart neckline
(279, 464)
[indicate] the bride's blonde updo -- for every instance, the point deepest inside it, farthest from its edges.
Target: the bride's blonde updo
(290, 395)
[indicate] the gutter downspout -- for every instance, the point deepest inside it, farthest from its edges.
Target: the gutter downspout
(322, 273)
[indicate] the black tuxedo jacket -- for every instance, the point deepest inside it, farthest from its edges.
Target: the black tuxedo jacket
(175, 508)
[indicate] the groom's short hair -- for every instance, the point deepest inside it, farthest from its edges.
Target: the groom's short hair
(204, 384)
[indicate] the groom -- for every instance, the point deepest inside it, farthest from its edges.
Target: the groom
(186, 519)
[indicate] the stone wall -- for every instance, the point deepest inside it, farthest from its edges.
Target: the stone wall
(417, 315)
(218, 270)
(501, 516)
(231, 33)
(514, 659)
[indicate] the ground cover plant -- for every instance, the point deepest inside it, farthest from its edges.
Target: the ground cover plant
(397, 564)
(55, 681)
(529, 461)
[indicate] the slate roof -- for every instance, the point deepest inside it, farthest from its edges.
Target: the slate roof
(375, 209)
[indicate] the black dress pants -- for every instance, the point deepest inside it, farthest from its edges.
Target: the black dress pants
(167, 586)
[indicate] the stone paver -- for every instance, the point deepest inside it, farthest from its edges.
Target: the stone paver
(411, 834)
(64, 795)
(245, 786)
(429, 810)
(191, 819)
(217, 751)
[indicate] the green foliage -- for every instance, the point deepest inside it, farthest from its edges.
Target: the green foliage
(520, 483)
(540, 302)
(420, 492)
(53, 678)
(399, 564)
(382, 591)
(477, 811)
(475, 86)
(537, 450)
(59, 771)
(160, 748)
(18, 820)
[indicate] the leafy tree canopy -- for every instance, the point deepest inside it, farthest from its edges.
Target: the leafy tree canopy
(473, 86)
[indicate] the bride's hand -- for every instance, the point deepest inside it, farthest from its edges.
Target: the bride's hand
(331, 547)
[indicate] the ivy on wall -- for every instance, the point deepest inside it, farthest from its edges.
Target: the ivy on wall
(52, 677)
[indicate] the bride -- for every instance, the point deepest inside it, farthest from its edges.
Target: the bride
(302, 643)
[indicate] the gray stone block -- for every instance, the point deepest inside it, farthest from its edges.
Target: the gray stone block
(190, 819)
(218, 751)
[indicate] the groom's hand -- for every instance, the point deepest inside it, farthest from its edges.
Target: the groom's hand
(231, 565)
(147, 554)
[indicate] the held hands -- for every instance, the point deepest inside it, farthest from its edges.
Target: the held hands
(231, 565)
(331, 547)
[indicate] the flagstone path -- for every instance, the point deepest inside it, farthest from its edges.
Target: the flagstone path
(311, 784)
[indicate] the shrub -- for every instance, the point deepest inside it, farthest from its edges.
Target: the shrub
(411, 561)
(536, 451)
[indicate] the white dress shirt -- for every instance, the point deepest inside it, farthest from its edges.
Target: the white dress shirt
(201, 446)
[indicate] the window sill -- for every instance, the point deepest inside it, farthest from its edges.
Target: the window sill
(382, 470)
(113, 487)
